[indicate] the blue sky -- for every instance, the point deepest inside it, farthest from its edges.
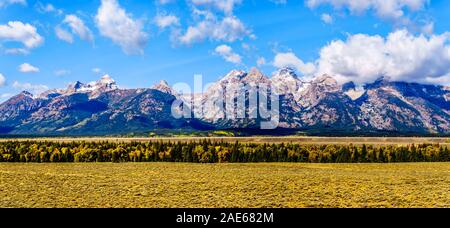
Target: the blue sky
(51, 43)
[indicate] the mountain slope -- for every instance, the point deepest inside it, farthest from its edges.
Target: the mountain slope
(321, 106)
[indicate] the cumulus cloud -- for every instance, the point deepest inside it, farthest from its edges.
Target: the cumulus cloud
(78, 27)
(16, 31)
(28, 68)
(327, 18)
(229, 29)
(4, 3)
(164, 21)
(213, 20)
(289, 59)
(34, 89)
(63, 34)
(226, 6)
(389, 9)
(227, 53)
(400, 56)
(115, 23)
(48, 8)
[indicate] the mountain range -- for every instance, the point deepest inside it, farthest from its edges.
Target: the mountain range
(321, 106)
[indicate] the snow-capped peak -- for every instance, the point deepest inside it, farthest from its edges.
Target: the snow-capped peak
(164, 87)
(286, 81)
(26, 94)
(164, 83)
(286, 72)
(106, 83)
(106, 79)
(234, 75)
(255, 75)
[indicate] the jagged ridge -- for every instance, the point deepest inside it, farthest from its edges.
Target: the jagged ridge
(319, 106)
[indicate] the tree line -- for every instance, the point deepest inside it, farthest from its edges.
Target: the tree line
(207, 151)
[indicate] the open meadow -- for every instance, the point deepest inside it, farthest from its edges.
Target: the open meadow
(257, 139)
(261, 185)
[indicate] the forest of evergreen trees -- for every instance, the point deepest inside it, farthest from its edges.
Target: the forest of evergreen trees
(216, 152)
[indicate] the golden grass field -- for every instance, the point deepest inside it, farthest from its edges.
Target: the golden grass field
(259, 139)
(263, 185)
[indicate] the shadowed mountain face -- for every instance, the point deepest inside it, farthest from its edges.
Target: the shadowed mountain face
(98, 108)
(319, 106)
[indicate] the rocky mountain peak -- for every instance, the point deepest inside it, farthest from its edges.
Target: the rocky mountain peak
(286, 72)
(74, 87)
(380, 82)
(286, 81)
(164, 87)
(105, 84)
(326, 80)
(106, 79)
(256, 76)
(164, 83)
(26, 94)
(234, 75)
(320, 105)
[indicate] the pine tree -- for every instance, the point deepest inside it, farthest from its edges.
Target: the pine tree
(381, 156)
(363, 157)
(355, 157)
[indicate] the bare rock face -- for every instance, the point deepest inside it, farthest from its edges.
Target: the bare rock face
(321, 106)
(400, 106)
(164, 87)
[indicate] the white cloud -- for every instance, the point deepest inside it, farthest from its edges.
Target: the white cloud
(327, 18)
(34, 89)
(64, 34)
(401, 57)
(227, 53)
(289, 59)
(164, 21)
(2, 80)
(78, 27)
(115, 23)
(28, 68)
(226, 6)
(261, 61)
(97, 70)
(229, 29)
(16, 31)
(389, 9)
(48, 8)
(213, 20)
(17, 51)
(4, 3)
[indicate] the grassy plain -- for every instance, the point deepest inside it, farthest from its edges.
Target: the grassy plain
(225, 185)
(257, 139)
